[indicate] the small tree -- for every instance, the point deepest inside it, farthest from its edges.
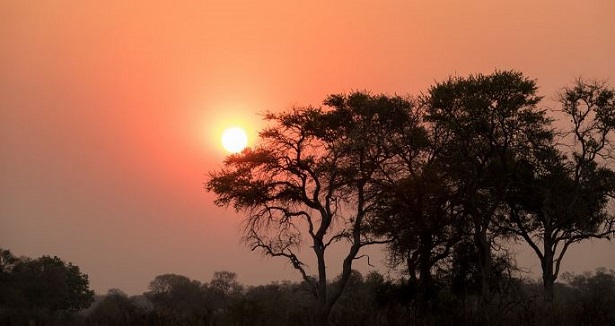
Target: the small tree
(311, 178)
(116, 309)
(178, 298)
(592, 297)
(10, 293)
(226, 283)
(51, 284)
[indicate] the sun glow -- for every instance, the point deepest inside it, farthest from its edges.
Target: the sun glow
(234, 139)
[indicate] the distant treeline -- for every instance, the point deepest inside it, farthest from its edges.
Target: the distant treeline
(47, 291)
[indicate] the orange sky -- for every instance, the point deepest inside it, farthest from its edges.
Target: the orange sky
(111, 111)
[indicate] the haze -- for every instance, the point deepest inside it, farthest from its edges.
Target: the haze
(111, 111)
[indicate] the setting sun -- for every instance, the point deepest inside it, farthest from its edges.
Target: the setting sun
(234, 139)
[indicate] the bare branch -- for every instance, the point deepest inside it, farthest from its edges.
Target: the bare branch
(364, 256)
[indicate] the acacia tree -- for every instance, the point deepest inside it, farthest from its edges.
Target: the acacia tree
(311, 179)
(485, 124)
(561, 197)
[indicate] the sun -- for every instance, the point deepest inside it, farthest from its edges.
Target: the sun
(234, 139)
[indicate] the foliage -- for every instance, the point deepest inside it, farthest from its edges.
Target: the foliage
(226, 283)
(592, 297)
(41, 289)
(178, 299)
(311, 179)
(486, 123)
(560, 196)
(116, 309)
(442, 181)
(449, 182)
(445, 180)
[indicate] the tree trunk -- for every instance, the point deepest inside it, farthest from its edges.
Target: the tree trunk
(321, 316)
(484, 261)
(548, 281)
(425, 279)
(321, 313)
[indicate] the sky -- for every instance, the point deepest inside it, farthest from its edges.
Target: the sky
(111, 111)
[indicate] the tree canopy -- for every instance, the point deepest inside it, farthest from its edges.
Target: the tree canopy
(312, 178)
(41, 287)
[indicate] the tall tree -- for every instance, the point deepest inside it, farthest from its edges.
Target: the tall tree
(311, 178)
(486, 122)
(561, 197)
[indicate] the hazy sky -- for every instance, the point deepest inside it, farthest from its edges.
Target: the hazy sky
(111, 111)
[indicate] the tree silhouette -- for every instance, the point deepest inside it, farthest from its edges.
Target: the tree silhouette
(311, 178)
(485, 123)
(561, 197)
(442, 181)
(41, 290)
(593, 297)
(116, 309)
(177, 299)
(49, 283)
(226, 283)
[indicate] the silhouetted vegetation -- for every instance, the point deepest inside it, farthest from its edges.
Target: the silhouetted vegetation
(441, 179)
(372, 299)
(446, 181)
(313, 179)
(42, 291)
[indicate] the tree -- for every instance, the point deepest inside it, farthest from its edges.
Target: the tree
(116, 309)
(275, 304)
(484, 124)
(225, 283)
(177, 299)
(41, 290)
(593, 297)
(10, 295)
(49, 283)
(7, 263)
(561, 197)
(311, 178)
